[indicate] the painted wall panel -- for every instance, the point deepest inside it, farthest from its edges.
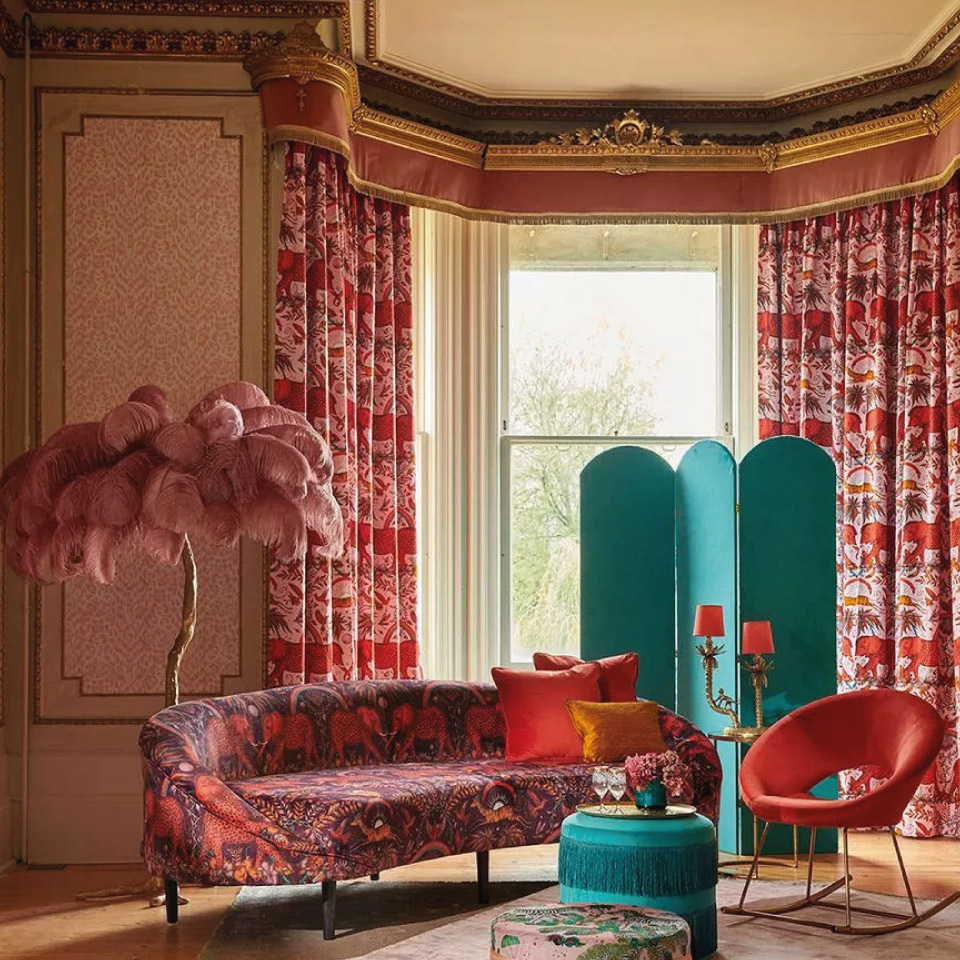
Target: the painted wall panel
(153, 241)
(151, 295)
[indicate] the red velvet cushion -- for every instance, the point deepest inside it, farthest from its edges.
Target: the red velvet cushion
(618, 675)
(535, 710)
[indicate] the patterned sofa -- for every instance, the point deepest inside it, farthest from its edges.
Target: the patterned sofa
(328, 782)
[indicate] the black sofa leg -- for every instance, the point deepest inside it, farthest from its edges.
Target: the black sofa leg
(483, 876)
(374, 876)
(171, 899)
(329, 909)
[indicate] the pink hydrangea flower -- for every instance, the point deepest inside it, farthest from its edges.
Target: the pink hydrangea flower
(667, 767)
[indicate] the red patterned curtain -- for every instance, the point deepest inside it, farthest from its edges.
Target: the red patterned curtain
(859, 351)
(343, 358)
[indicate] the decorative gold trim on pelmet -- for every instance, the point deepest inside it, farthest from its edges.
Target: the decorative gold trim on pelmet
(394, 156)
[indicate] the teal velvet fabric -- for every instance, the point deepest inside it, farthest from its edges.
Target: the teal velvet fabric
(665, 864)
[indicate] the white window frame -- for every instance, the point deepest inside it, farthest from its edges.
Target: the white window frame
(729, 292)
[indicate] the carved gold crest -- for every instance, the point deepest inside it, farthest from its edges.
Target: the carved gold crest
(625, 132)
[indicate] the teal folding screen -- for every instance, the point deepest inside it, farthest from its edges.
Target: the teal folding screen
(788, 575)
(706, 563)
(759, 539)
(626, 564)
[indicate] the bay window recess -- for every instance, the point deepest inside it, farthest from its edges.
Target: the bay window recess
(538, 348)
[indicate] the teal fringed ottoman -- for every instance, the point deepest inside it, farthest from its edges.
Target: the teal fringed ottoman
(589, 931)
(668, 864)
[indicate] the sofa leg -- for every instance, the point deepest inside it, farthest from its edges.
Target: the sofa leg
(374, 876)
(171, 899)
(329, 893)
(483, 876)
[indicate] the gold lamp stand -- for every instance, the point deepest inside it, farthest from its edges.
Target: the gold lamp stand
(721, 703)
(758, 668)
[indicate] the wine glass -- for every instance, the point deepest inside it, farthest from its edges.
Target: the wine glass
(600, 785)
(617, 782)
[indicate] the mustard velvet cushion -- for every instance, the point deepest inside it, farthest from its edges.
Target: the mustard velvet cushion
(611, 732)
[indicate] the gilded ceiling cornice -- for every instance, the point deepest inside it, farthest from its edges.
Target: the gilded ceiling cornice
(563, 153)
(321, 9)
(133, 44)
(387, 128)
(449, 97)
(125, 43)
(626, 144)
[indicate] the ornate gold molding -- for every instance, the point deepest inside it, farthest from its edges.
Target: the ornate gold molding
(417, 136)
(449, 96)
(625, 145)
(304, 57)
(627, 131)
(52, 41)
(603, 154)
(262, 9)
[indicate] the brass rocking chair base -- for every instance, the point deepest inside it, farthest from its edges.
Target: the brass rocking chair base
(900, 921)
(903, 921)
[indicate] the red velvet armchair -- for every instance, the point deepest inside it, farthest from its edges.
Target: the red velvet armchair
(894, 731)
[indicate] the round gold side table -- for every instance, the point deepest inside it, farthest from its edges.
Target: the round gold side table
(748, 736)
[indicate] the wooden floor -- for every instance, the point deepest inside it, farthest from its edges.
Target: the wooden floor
(40, 919)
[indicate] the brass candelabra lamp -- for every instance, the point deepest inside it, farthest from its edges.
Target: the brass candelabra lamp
(708, 623)
(757, 641)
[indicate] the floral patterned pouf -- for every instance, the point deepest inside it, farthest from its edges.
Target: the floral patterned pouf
(589, 931)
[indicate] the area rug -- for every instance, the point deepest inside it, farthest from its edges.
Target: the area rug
(740, 938)
(284, 923)
(441, 921)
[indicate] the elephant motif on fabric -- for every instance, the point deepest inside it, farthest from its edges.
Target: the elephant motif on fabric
(291, 740)
(421, 732)
(484, 729)
(357, 735)
(231, 746)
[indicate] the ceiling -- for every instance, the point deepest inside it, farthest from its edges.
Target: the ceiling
(652, 49)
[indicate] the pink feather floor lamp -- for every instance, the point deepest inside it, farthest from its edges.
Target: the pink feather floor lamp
(236, 466)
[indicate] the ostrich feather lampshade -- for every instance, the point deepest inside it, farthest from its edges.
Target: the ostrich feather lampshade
(236, 465)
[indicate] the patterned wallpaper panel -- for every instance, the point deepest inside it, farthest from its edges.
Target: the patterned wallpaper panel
(152, 294)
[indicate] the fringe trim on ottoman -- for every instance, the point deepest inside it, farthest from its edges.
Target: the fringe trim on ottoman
(638, 871)
(703, 932)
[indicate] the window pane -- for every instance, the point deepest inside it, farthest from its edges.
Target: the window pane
(545, 544)
(613, 331)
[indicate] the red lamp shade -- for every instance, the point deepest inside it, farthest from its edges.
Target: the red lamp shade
(708, 621)
(757, 637)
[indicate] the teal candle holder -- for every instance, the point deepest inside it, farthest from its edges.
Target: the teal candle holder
(651, 797)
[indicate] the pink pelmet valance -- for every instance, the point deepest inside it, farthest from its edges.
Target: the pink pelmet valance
(883, 159)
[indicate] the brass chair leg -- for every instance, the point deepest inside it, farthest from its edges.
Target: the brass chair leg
(846, 875)
(754, 867)
(903, 870)
(813, 846)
